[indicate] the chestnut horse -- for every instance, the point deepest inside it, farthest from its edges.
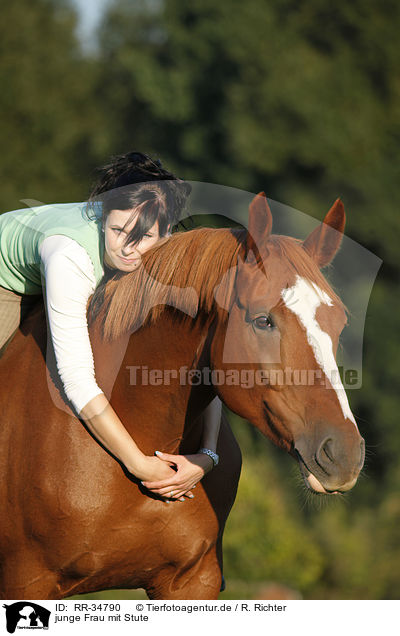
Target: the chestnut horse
(225, 301)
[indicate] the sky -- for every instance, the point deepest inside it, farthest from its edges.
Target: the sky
(90, 12)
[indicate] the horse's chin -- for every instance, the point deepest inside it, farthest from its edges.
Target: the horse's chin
(312, 482)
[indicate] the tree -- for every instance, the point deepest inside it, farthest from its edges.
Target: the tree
(50, 133)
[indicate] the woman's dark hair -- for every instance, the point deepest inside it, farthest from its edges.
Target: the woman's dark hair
(134, 181)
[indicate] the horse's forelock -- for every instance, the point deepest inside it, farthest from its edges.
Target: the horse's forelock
(293, 256)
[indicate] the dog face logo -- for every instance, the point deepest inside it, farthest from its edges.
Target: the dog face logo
(26, 615)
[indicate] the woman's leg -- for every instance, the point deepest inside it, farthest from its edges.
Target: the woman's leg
(10, 316)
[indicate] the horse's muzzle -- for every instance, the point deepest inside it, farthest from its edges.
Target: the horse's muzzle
(330, 461)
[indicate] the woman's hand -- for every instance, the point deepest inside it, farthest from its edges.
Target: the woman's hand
(189, 470)
(154, 469)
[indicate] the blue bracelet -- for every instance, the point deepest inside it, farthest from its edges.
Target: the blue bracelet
(210, 453)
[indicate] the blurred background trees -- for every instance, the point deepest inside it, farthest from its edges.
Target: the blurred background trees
(300, 99)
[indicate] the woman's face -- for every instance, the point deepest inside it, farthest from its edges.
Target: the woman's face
(118, 255)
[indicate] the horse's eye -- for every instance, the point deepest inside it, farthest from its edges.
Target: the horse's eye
(263, 322)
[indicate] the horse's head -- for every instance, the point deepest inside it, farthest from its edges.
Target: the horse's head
(283, 328)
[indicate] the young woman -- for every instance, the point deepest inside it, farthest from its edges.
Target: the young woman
(66, 249)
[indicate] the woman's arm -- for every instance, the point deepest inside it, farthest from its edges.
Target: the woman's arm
(191, 468)
(104, 423)
(69, 281)
(212, 423)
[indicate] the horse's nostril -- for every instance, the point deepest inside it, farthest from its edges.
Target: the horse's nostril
(327, 450)
(325, 455)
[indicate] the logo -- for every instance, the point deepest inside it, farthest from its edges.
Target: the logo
(26, 615)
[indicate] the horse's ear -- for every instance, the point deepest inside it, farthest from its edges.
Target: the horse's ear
(323, 243)
(260, 223)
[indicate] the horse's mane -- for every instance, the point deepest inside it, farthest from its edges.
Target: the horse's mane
(184, 271)
(181, 271)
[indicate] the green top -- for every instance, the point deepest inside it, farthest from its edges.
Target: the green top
(22, 233)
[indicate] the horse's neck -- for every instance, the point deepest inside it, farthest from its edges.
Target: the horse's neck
(146, 377)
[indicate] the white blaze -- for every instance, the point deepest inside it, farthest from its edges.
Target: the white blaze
(303, 299)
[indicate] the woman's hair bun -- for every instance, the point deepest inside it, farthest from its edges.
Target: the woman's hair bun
(118, 185)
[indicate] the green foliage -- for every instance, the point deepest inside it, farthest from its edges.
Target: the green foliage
(265, 540)
(300, 101)
(47, 105)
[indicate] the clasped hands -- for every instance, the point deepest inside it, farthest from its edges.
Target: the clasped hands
(174, 476)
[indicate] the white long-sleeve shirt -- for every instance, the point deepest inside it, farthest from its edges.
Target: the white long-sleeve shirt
(69, 282)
